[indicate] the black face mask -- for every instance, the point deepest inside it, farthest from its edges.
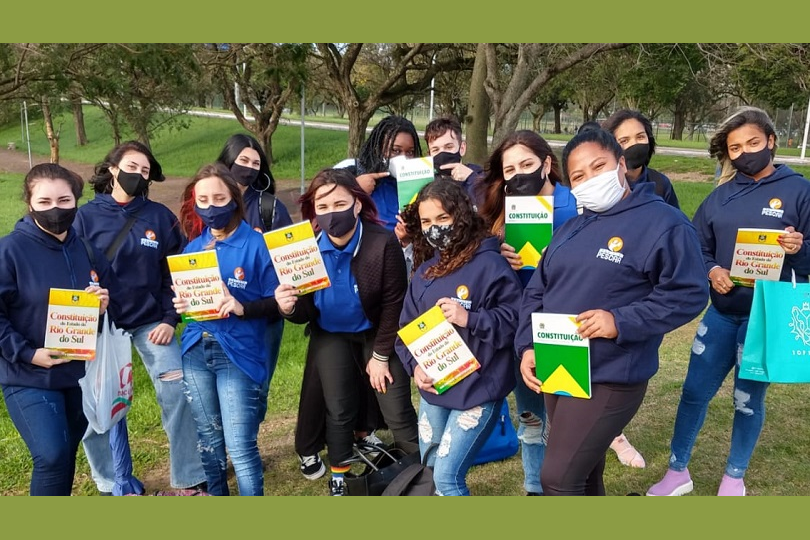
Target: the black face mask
(445, 158)
(244, 176)
(336, 224)
(133, 184)
(54, 220)
(438, 236)
(750, 163)
(636, 156)
(216, 217)
(525, 184)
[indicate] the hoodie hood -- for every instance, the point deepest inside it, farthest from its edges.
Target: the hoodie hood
(29, 228)
(741, 184)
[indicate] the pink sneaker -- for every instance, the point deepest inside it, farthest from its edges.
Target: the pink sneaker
(731, 487)
(673, 484)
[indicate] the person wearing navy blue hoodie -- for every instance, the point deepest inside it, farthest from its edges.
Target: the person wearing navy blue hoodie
(150, 232)
(447, 148)
(752, 192)
(244, 157)
(225, 359)
(634, 132)
(627, 285)
(524, 164)
(460, 269)
(40, 386)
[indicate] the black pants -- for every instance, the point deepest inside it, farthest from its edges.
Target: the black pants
(337, 398)
(580, 433)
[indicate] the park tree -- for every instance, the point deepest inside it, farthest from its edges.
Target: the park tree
(772, 74)
(369, 76)
(515, 75)
(266, 75)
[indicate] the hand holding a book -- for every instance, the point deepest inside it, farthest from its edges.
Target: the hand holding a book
(453, 312)
(720, 279)
(597, 323)
(528, 370)
(180, 304)
(47, 358)
(103, 296)
(229, 304)
(792, 241)
(423, 382)
(514, 260)
(286, 297)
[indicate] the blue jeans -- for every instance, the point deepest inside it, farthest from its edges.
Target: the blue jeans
(225, 406)
(272, 340)
(165, 368)
(459, 435)
(532, 432)
(51, 422)
(717, 349)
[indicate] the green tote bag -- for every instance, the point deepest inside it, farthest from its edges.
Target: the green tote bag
(777, 344)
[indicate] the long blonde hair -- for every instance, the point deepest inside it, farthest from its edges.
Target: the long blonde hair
(718, 147)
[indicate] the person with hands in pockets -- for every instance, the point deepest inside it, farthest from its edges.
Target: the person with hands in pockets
(459, 268)
(627, 285)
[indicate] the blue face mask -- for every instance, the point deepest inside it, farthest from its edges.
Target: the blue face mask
(216, 217)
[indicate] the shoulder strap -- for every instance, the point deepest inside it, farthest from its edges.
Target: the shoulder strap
(267, 209)
(89, 249)
(658, 179)
(119, 238)
(401, 482)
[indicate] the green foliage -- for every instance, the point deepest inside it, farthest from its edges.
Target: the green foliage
(777, 74)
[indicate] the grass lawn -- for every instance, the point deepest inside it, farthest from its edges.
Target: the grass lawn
(778, 466)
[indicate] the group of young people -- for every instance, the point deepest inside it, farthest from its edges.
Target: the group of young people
(622, 258)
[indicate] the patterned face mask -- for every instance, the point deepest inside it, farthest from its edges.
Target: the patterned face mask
(438, 236)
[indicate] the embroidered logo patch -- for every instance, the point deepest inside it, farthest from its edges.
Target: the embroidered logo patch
(612, 253)
(149, 239)
(774, 208)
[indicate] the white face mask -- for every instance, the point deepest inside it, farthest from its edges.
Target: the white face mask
(599, 193)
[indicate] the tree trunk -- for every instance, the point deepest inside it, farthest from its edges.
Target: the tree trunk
(678, 122)
(53, 136)
(477, 119)
(557, 119)
(358, 122)
(78, 120)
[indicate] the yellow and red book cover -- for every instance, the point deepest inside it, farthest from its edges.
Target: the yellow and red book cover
(72, 325)
(196, 277)
(297, 258)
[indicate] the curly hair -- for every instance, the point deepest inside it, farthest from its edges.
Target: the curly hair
(469, 229)
(102, 177)
(491, 191)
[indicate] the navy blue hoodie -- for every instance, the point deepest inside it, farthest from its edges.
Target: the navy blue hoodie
(641, 261)
(31, 263)
(490, 291)
(140, 263)
(775, 202)
(253, 214)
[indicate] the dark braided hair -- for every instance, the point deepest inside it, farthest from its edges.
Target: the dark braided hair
(469, 229)
(375, 151)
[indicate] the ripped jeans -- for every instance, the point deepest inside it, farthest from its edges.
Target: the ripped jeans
(459, 435)
(532, 432)
(165, 368)
(716, 350)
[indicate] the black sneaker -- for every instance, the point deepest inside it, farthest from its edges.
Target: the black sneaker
(337, 487)
(311, 466)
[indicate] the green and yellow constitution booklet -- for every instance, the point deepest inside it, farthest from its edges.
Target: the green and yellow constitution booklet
(562, 357)
(438, 349)
(528, 225)
(412, 174)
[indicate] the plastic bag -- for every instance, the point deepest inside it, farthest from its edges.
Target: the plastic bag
(107, 382)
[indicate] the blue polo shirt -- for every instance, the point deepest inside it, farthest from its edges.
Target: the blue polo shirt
(339, 305)
(246, 269)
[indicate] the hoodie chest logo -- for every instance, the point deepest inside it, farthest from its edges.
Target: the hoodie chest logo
(238, 279)
(462, 297)
(613, 251)
(774, 208)
(149, 239)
